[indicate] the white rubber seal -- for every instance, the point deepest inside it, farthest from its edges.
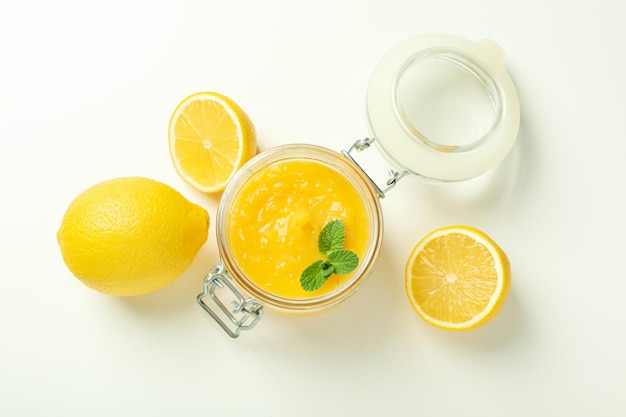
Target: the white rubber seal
(410, 149)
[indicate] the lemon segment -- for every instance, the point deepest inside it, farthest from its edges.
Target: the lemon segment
(210, 138)
(131, 236)
(457, 278)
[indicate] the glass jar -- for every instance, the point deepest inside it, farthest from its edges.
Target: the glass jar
(247, 311)
(462, 85)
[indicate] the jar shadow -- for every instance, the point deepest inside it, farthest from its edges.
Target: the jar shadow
(478, 196)
(365, 322)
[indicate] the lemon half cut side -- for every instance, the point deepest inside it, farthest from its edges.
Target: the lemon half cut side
(210, 138)
(457, 278)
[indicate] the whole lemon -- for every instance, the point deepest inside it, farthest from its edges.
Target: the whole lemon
(130, 236)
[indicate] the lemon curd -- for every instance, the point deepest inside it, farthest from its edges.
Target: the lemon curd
(276, 220)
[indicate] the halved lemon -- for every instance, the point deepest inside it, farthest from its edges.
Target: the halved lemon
(457, 278)
(210, 138)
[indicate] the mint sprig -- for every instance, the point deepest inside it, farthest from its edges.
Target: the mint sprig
(338, 260)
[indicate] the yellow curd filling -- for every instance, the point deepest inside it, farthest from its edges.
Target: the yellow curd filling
(276, 220)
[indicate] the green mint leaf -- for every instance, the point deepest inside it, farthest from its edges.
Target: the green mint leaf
(343, 261)
(327, 268)
(313, 277)
(332, 237)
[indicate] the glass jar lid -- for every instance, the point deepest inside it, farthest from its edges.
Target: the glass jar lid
(443, 107)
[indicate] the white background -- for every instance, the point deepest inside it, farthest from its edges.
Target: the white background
(86, 92)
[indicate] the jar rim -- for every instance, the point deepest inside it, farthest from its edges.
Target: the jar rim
(466, 63)
(333, 160)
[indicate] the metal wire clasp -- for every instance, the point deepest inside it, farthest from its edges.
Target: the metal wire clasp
(244, 314)
(394, 176)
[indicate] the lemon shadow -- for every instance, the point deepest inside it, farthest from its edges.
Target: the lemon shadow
(178, 295)
(507, 330)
